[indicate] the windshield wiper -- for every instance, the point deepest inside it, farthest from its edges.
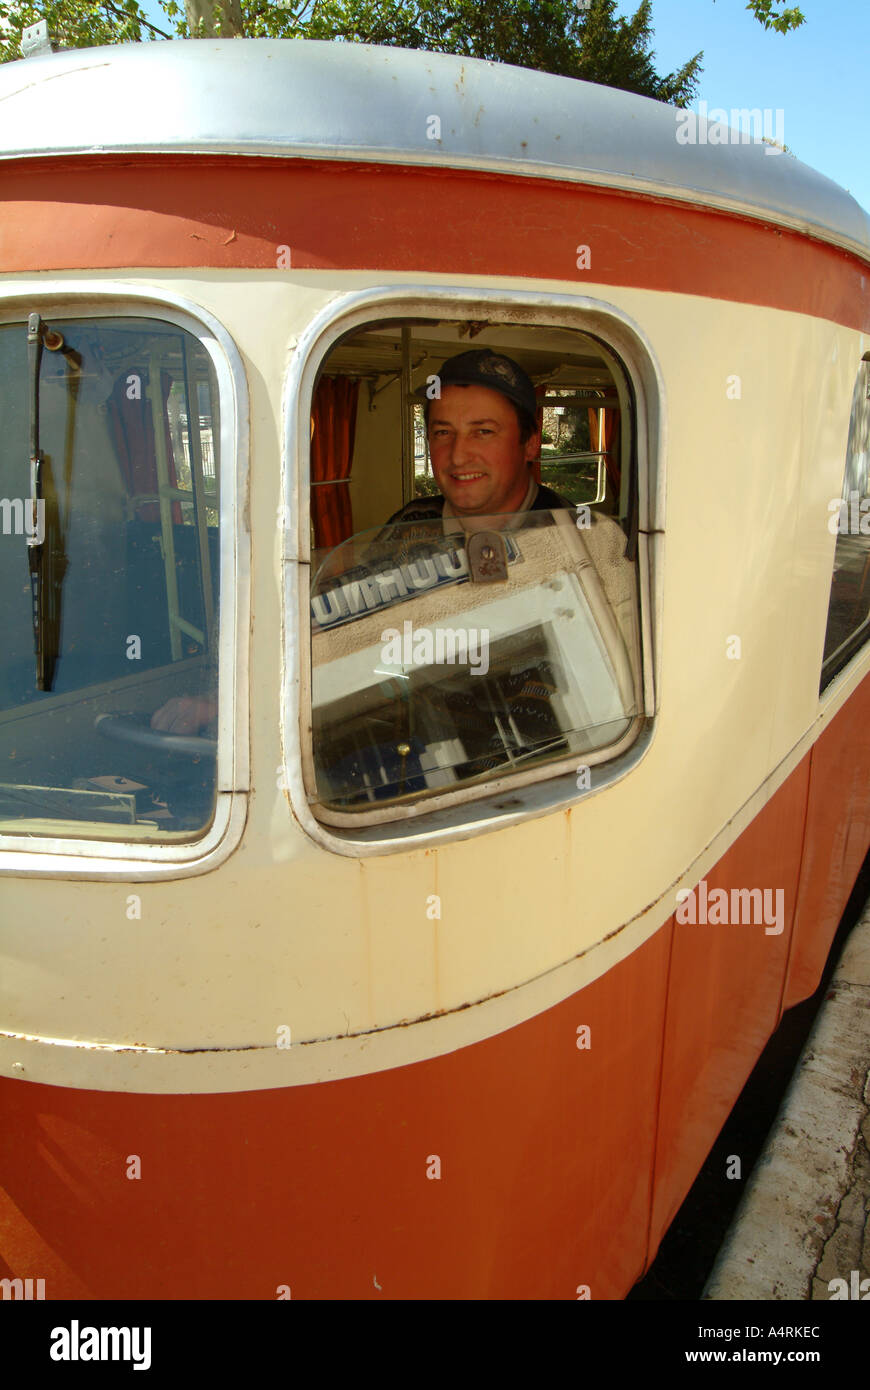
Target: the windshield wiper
(46, 555)
(35, 540)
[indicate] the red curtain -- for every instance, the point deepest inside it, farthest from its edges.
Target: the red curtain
(132, 427)
(609, 435)
(334, 416)
(540, 392)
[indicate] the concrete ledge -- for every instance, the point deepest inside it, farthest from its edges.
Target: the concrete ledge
(805, 1216)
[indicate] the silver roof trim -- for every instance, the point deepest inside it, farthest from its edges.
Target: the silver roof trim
(357, 102)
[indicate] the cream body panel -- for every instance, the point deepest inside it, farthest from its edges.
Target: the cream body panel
(340, 948)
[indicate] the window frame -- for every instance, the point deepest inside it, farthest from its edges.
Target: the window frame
(65, 856)
(854, 651)
(510, 797)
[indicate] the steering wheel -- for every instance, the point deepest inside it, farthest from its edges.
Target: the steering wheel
(126, 728)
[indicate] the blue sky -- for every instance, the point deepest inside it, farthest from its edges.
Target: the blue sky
(814, 75)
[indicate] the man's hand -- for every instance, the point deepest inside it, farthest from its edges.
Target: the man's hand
(184, 715)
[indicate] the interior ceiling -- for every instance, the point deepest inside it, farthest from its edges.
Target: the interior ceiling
(560, 357)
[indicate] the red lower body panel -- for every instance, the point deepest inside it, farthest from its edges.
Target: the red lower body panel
(520, 1167)
(724, 992)
(545, 1157)
(836, 840)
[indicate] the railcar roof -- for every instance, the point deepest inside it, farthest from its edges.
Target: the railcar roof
(286, 97)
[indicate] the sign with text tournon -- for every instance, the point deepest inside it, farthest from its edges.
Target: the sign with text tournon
(366, 588)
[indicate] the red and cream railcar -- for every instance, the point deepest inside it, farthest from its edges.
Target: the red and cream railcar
(409, 974)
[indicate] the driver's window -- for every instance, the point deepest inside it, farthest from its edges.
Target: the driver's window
(474, 594)
(110, 581)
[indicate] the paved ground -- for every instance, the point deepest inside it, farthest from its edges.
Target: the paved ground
(804, 1221)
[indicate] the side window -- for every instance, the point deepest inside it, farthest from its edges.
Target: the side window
(109, 571)
(474, 596)
(848, 624)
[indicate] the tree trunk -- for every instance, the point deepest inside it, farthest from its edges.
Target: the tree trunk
(231, 26)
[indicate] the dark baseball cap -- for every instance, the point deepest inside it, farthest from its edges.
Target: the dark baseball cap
(483, 367)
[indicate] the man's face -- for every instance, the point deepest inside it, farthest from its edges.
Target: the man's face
(479, 463)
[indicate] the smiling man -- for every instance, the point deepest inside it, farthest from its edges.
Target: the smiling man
(483, 438)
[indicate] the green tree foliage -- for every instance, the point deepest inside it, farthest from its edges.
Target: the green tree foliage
(771, 14)
(573, 38)
(559, 36)
(72, 23)
(617, 53)
(92, 23)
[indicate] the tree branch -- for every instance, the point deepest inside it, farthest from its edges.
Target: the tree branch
(140, 19)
